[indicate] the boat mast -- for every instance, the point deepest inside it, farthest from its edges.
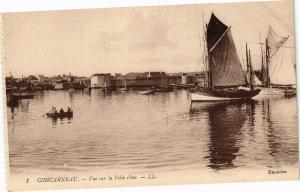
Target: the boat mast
(247, 61)
(267, 63)
(250, 71)
(11, 88)
(262, 59)
(205, 53)
(249, 67)
(207, 59)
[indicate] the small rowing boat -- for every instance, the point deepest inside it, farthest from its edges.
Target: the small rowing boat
(122, 89)
(146, 92)
(54, 115)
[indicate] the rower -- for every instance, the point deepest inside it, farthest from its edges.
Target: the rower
(69, 110)
(61, 110)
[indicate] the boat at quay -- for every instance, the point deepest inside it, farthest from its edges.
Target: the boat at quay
(226, 79)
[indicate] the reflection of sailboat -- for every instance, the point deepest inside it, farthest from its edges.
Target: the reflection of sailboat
(278, 68)
(278, 146)
(226, 78)
(226, 120)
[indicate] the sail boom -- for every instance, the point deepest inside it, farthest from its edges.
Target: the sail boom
(213, 47)
(275, 41)
(280, 46)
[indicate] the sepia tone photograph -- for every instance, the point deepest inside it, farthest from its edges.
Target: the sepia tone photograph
(154, 95)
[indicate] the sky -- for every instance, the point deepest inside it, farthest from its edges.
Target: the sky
(121, 40)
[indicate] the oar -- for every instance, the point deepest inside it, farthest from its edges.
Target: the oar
(46, 113)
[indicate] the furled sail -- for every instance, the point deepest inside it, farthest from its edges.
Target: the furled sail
(224, 64)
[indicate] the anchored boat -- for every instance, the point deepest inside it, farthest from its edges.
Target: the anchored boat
(60, 114)
(124, 88)
(147, 92)
(225, 78)
(277, 62)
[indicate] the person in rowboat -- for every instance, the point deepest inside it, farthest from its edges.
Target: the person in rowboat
(52, 108)
(69, 110)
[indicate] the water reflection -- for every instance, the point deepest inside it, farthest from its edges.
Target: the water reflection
(130, 130)
(24, 106)
(225, 120)
(277, 130)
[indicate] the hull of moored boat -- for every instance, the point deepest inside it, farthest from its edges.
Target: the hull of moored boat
(273, 91)
(204, 96)
(200, 97)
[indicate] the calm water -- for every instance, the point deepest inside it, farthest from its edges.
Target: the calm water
(161, 131)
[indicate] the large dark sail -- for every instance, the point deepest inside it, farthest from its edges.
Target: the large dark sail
(224, 65)
(215, 30)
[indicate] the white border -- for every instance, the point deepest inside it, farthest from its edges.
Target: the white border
(41, 5)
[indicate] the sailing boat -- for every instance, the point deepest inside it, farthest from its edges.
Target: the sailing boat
(226, 79)
(278, 61)
(125, 86)
(163, 87)
(148, 91)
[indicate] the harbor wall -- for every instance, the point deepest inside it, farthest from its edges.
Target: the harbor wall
(102, 80)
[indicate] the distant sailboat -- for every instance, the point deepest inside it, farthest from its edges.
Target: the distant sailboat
(278, 68)
(226, 79)
(163, 87)
(125, 86)
(148, 91)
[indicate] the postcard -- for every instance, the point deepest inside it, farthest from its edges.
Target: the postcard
(154, 95)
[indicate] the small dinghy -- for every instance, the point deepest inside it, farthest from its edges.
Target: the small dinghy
(122, 89)
(147, 92)
(60, 115)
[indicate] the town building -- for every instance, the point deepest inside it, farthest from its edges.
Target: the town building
(101, 80)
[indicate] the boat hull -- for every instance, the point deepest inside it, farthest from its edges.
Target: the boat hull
(122, 89)
(274, 91)
(223, 96)
(60, 115)
(147, 92)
